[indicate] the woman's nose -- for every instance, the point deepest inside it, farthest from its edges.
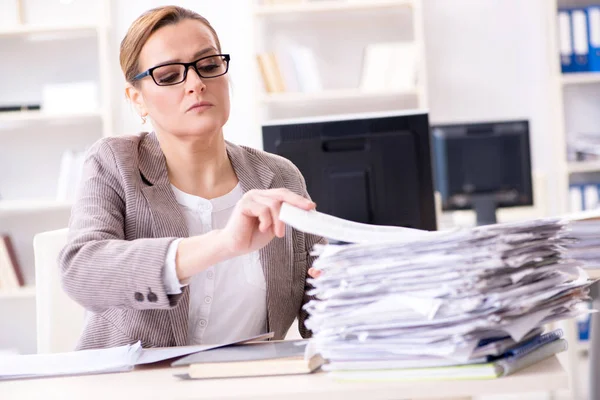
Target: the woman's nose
(194, 81)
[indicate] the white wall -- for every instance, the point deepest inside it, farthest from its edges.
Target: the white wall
(232, 19)
(489, 60)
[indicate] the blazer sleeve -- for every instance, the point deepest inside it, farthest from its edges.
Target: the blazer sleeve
(310, 241)
(99, 268)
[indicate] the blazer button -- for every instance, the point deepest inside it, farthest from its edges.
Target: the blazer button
(138, 296)
(152, 297)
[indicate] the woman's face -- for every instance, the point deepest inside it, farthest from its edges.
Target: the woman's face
(197, 106)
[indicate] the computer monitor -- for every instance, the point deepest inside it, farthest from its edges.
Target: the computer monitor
(483, 166)
(368, 168)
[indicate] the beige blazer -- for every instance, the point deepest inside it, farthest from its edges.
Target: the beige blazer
(121, 225)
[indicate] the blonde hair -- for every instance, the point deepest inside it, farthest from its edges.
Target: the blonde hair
(144, 26)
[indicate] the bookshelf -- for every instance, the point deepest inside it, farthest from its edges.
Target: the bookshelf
(74, 41)
(335, 63)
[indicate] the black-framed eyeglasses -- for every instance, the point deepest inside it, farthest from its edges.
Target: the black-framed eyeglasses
(174, 73)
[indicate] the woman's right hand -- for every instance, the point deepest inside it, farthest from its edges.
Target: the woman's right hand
(252, 225)
(255, 219)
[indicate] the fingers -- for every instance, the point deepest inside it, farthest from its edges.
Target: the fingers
(272, 199)
(261, 211)
(314, 273)
(274, 207)
(287, 196)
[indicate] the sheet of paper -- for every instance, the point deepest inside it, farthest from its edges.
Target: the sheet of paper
(116, 359)
(335, 228)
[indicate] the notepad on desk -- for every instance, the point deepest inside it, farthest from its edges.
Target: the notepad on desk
(252, 359)
(488, 370)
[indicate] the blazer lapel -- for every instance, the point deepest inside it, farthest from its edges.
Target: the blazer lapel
(167, 218)
(253, 174)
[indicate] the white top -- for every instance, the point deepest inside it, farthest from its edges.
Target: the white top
(228, 301)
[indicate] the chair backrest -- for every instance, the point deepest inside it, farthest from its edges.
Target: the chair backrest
(60, 320)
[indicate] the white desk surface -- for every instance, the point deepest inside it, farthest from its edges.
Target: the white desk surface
(159, 383)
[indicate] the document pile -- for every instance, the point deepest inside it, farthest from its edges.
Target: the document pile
(420, 304)
(584, 243)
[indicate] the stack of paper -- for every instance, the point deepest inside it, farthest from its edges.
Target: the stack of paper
(584, 243)
(438, 299)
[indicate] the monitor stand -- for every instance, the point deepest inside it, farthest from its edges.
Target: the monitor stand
(485, 208)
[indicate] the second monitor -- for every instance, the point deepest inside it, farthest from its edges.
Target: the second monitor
(369, 168)
(483, 166)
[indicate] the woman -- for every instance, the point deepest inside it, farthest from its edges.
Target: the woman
(175, 237)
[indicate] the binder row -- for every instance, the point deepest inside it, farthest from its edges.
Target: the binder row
(584, 196)
(579, 39)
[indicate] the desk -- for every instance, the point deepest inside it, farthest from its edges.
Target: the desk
(159, 383)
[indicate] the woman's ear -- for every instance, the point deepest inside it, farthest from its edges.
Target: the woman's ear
(136, 98)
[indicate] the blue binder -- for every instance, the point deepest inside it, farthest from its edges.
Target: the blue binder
(580, 39)
(593, 23)
(565, 40)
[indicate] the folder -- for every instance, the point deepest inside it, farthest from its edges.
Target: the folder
(593, 20)
(580, 40)
(491, 370)
(565, 40)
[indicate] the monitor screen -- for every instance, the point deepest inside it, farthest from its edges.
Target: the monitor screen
(483, 161)
(369, 168)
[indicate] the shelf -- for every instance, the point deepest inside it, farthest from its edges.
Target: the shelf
(40, 116)
(584, 166)
(11, 207)
(19, 30)
(20, 293)
(583, 345)
(332, 95)
(580, 78)
(323, 6)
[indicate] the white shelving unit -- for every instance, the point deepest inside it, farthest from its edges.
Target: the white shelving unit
(339, 57)
(32, 143)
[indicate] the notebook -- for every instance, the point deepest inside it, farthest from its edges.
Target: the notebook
(491, 370)
(252, 359)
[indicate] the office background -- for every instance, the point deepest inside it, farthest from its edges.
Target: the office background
(476, 60)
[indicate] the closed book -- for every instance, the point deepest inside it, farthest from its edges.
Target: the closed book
(11, 276)
(252, 359)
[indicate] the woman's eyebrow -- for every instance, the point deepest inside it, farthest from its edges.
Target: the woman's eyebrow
(197, 55)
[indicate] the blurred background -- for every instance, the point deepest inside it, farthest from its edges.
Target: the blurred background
(462, 61)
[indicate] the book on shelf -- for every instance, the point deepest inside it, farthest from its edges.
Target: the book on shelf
(270, 72)
(71, 167)
(285, 357)
(389, 66)
(11, 275)
(292, 70)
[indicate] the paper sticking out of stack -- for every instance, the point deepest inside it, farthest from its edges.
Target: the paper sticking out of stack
(400, 300)
(583, 242)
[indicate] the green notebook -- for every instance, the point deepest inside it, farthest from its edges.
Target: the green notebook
(489, 370)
